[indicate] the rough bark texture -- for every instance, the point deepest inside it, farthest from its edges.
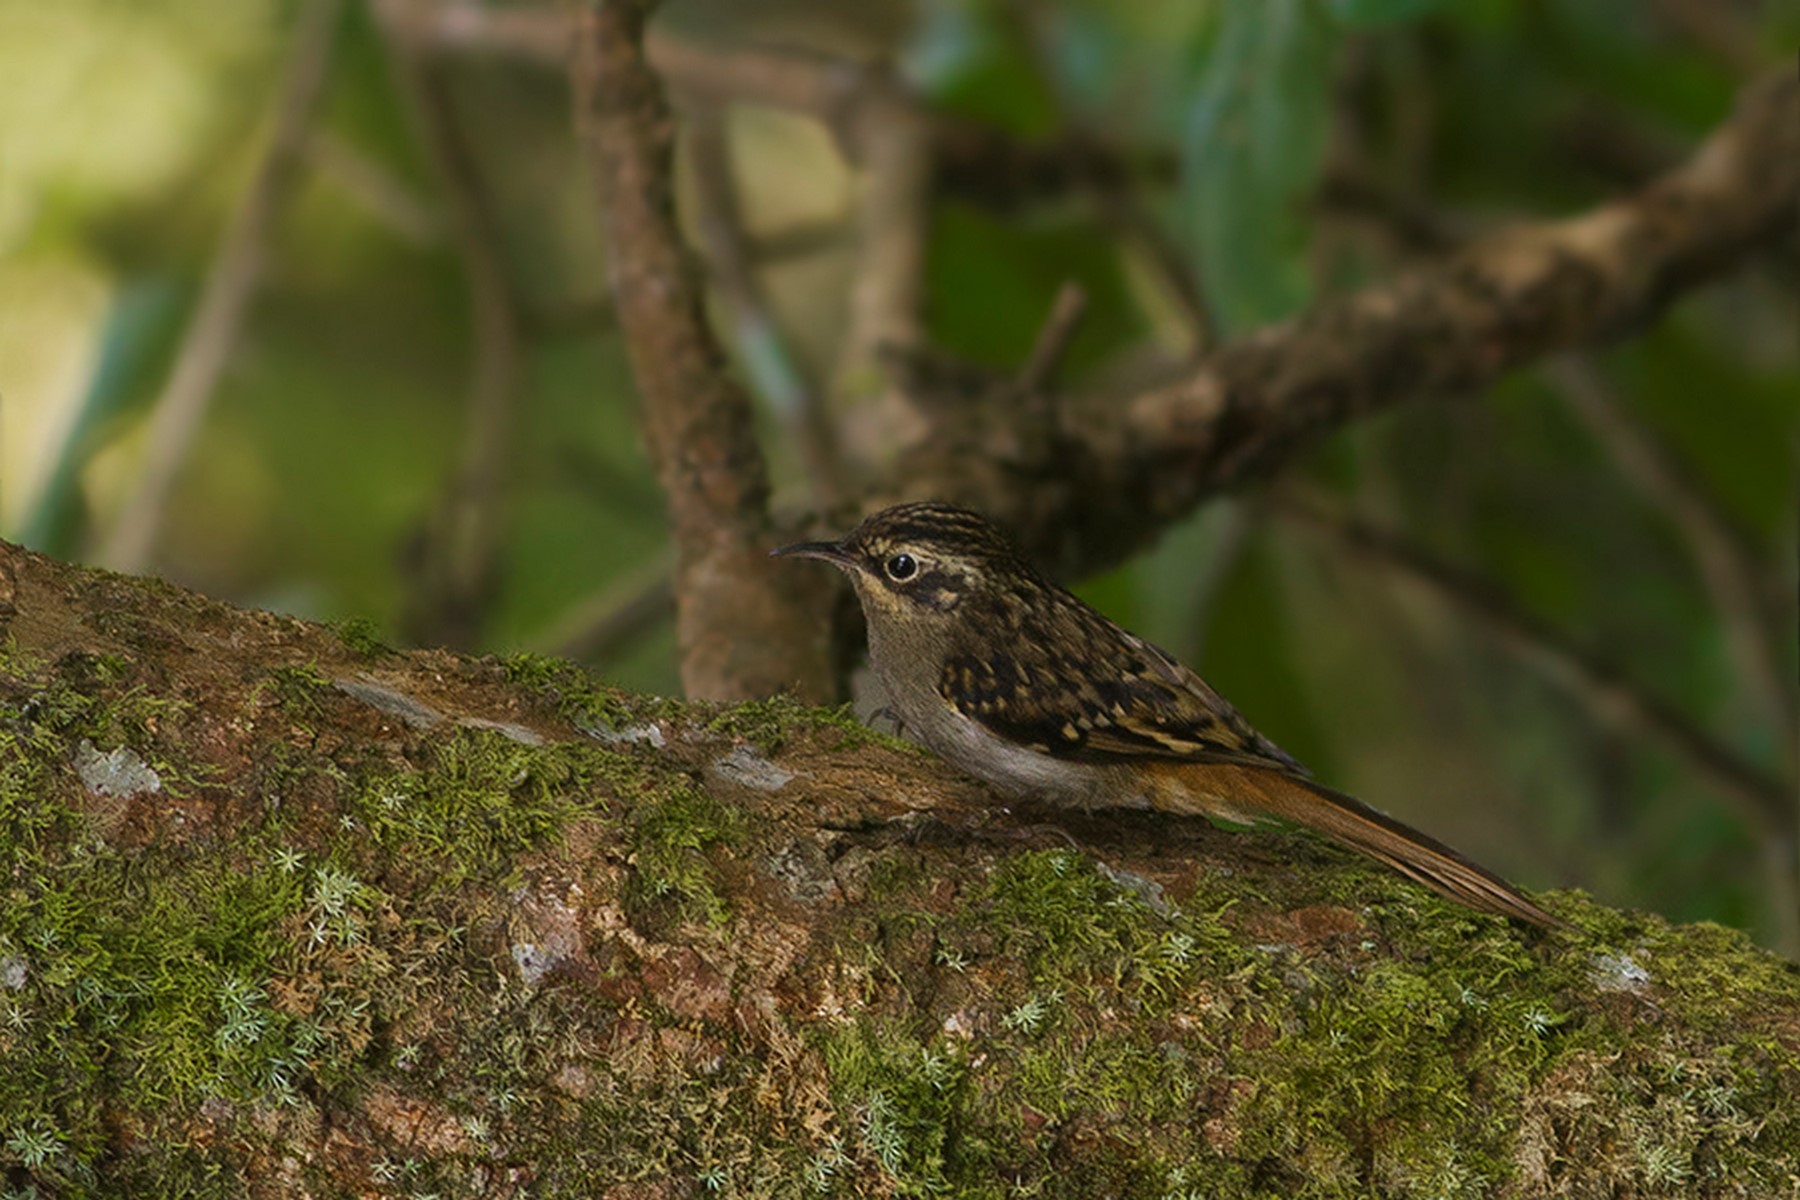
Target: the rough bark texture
(286, 913)
(737, 620)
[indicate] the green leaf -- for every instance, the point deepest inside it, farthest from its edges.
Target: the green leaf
(1255, 138)
(970, 59)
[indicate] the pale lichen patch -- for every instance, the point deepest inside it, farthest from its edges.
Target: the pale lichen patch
(629, 735)
(507, 729)
(395, 703)
(746, 766)
(117, 772)
(14, 972)
(1618, 973)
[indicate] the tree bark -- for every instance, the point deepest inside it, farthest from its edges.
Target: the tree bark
(283, 912)
(738, 622)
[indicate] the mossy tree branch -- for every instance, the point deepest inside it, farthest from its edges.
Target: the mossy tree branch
(287, 911)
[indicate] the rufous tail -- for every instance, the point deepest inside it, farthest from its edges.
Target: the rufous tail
(1416, 855)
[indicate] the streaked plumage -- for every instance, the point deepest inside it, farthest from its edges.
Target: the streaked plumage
(1022, 684)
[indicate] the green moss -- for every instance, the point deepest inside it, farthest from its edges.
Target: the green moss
(1179, 1048)
(670, 838)
(362, 637)
(705, 1133)
(83, 695)
(238, 968)
(766, 724)
(579, 698)
(1691, 1116)
(151, 979)
(214, 1172)
(905, 1104)
(1058, 913)
(480, 799)
(892, 875)
(47, 709)
(544, 672)
(32, 814)
(1320, 1075)
(1056, 907)
(300, 690)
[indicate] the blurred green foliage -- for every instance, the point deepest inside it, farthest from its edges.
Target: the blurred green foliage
(128, 132)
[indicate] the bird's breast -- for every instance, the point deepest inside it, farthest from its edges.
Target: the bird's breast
(909, 669)
(1010, 767)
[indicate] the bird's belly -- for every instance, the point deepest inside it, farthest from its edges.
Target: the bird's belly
(1009, 767)
(1017, 770)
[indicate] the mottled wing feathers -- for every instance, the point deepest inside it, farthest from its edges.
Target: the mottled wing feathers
(1076, 686)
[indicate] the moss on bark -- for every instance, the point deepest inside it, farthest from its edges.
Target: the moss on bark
(286, 913)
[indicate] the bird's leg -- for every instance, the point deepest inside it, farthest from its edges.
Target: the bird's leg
(888, 712)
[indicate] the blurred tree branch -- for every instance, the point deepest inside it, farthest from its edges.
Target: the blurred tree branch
(454, 555)
(1719, 550)
(969, 158)
(1124, 467)
(743, 628)
(1763, 802)
(1088, 488)
(767, 353)
(1038, 373)
(890, 140)
(231, 282)
(1111, 187)
(378, 190)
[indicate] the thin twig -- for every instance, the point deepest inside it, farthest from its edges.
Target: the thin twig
(1720, 553)
(380, 192)
(986, 164)
(1174, 267)
(764, 348)
(459, 545)
(602, 624)
(1114, 192)
(236, 270)
(1053, 338)
(1726, 33)
(1759, 798)
(589, 315)
(888, 281)
(1412, 226)
(798, 239)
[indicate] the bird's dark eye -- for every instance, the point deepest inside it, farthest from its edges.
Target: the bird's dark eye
(902, 566)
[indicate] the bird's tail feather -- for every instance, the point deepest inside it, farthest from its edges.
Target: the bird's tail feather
(1369, 831)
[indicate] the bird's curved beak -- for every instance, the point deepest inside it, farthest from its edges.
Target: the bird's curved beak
(831, 552)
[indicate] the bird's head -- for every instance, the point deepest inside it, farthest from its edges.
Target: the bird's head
(919, 560)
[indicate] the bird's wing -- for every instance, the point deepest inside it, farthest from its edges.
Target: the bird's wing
(1096, 693)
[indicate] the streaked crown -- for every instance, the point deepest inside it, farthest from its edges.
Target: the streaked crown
(931, 554)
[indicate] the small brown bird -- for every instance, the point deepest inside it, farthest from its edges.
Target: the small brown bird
(1022, 685)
